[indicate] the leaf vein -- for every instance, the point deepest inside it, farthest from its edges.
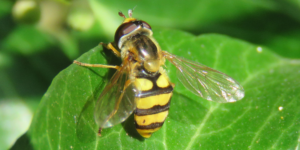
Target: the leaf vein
(198, 131)
(273, 113)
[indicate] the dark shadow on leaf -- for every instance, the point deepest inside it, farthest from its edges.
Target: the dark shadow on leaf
(260, 28)
(87, 129)
(252, 27)
(111, 59)
(22, 143)
(129, 127)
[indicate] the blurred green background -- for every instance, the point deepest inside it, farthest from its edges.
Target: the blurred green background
(40, 38)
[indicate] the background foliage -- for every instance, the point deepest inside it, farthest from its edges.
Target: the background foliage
(256, 42)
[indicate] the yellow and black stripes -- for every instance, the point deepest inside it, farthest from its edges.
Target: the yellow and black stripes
(153, 102)
(152, 110)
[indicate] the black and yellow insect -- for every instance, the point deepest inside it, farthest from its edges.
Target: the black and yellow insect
(140, 84)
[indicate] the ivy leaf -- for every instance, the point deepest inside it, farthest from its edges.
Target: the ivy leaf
(267, 118)
(189, 15)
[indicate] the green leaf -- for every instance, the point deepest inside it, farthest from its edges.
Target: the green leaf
(29, 40)
(270, 23)
(267, 118)
(288, 41)
(189, 15)
(5, 7)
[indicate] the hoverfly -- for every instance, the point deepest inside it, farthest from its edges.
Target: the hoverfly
(141, 85)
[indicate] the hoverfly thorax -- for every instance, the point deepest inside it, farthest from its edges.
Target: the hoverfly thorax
(135, 37)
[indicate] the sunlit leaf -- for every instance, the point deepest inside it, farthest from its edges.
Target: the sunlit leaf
(267, 118)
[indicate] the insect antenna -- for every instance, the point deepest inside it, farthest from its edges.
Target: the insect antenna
(130, 11)
(122, 15)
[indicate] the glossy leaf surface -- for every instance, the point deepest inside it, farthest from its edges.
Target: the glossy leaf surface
(268, 116)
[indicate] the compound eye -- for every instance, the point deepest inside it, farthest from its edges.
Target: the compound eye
(146, 25)
(128, 28)
(124, 29)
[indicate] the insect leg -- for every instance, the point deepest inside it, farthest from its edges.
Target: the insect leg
(95, 65)
(127, 83)
(112, 48)
(99, 131)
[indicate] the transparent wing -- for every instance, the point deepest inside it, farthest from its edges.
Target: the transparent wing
(206, 82)
(117, 101)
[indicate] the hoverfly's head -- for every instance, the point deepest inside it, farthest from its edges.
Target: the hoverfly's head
(129, 27)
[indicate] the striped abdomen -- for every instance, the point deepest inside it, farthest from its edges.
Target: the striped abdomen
(152, 103)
